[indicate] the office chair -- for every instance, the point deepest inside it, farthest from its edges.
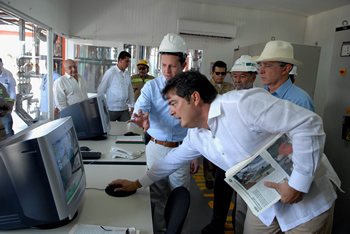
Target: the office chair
(176, 210)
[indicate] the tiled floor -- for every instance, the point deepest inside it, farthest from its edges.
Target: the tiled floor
(202, 203)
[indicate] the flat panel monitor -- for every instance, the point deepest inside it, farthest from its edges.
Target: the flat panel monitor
(90, 117)
(42, 177)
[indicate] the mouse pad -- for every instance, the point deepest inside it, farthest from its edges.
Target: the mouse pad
(110, 191)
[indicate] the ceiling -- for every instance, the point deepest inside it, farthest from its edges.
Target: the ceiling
(296, 7)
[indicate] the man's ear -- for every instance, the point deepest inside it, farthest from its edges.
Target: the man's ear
(287, 69)
(196, 97)
(253, 78)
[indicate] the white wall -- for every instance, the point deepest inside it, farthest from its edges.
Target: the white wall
(320, 28)
(55, 14)
(147, 21)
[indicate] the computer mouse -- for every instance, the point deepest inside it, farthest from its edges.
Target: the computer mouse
(131, 134)
(110, 191)
(84, 148)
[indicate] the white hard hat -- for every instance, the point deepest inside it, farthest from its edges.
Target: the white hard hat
(244, 64)
(173, 43)
(293, 71)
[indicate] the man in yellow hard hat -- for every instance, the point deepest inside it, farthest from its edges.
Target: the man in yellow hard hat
(140, 79)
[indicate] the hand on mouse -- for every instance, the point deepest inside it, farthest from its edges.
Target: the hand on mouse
(127, 185)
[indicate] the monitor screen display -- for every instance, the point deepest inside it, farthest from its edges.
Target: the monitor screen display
(66, 151)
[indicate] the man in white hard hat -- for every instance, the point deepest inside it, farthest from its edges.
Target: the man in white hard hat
(275, 62)
(152, 113)
(116, 84)
(139, 80)
(243, 73)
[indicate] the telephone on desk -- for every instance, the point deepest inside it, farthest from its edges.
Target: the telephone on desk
(122, 153)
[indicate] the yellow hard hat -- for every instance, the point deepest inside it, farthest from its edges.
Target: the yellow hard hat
(143, 62)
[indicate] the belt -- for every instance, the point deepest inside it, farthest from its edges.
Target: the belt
(166, 143)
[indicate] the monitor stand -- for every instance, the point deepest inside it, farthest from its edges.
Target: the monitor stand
(57, 224)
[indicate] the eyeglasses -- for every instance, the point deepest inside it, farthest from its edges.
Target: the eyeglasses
(220, 73)
(141, 68)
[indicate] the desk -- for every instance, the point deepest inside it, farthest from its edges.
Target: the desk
(104, 146)
(98, 208)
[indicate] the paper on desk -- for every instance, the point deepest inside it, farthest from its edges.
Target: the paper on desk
(95, 229)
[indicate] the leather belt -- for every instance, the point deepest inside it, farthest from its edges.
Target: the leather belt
(166, 143)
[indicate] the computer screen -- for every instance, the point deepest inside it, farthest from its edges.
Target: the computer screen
(66, 151)
(42, 177)
(90, 117)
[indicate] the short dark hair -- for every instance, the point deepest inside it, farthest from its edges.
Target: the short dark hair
(219, 64)
(283, 64)
(123, 55)
(186, 83)
(1, 60)
(182, 56)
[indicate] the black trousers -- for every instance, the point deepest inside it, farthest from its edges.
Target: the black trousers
(222, 199)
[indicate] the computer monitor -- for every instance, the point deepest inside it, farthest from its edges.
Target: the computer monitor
(90, 117)
(42, 177)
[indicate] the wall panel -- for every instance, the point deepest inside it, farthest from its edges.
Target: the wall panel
(147, 21)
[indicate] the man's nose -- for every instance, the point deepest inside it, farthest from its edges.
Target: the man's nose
(171, 111)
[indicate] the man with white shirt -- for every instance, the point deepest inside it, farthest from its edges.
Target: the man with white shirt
(116, 84)
(70, 88)
(243, 74)
(230, 128)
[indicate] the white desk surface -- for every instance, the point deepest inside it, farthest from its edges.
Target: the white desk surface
(104, 146)
(98, 208)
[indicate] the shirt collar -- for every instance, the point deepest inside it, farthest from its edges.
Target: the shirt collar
(214, 111)
(68, 76)
(280, 92)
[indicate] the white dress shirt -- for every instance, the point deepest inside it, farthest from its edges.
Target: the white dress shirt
(241, 123)
(67, 91)
(118, 89)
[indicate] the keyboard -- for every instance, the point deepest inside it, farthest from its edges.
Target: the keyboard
(90, 155)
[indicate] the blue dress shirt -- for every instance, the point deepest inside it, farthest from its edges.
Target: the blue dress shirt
(288, 91)
(43, 91)
(163, 126)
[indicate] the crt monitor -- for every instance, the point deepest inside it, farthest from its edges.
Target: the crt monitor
(42, 177)
(90, 117)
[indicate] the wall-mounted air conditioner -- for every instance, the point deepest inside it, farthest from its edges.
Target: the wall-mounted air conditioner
(206, 29)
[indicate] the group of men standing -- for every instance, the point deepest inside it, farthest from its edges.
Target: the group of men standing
(186, 119)
(187, 116)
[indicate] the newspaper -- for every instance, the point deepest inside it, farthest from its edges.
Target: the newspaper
(272, 163)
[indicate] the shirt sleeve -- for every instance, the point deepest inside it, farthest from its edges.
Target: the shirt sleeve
(171, 162)
(12, 87)
(274, 115)
(60, 95)
(131, 94)
(102, 88)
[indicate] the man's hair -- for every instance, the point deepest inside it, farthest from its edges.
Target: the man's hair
(0, 60)
(283, 64)
(123, 55)
(182, 56)
(186, 83)
(219, 64)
